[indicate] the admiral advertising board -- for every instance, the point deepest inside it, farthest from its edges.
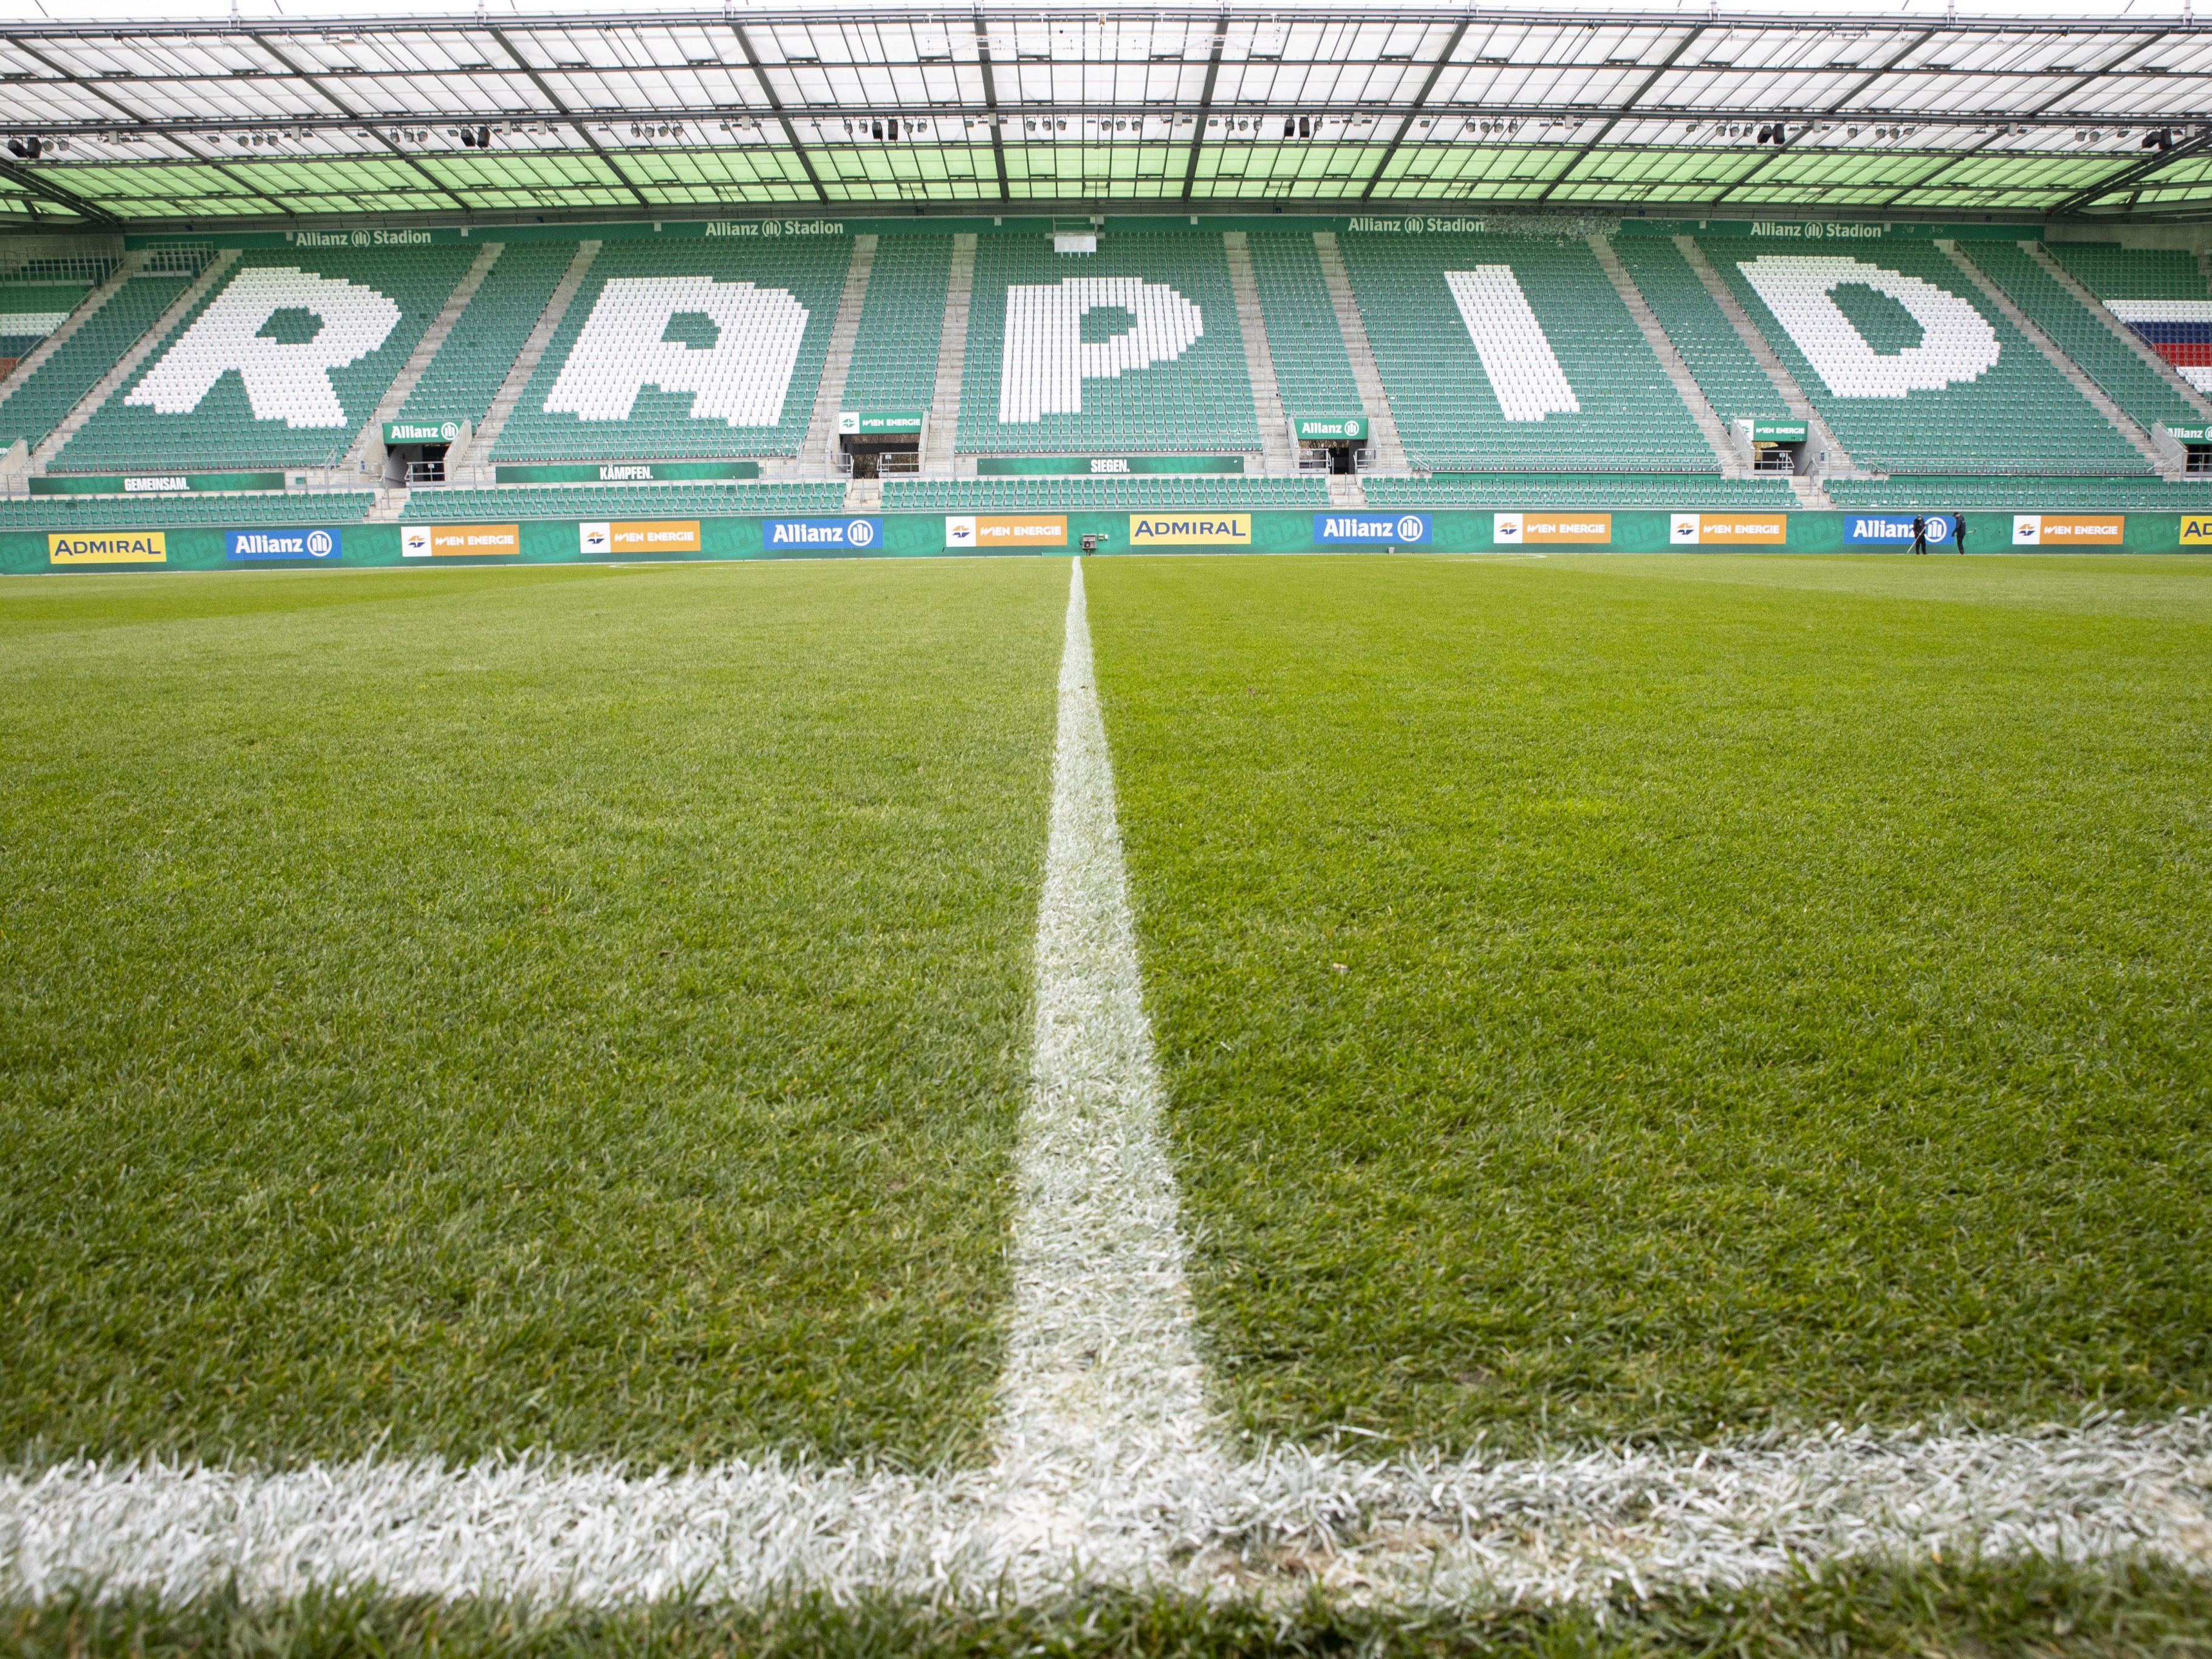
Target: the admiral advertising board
(459, 541)
(1003, 532)
(116, 547)
(1190, 529)
(318, 545)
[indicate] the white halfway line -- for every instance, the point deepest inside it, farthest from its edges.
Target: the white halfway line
(1108, 1469)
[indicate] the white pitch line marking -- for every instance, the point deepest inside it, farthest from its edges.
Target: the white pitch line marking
(1109, 1469)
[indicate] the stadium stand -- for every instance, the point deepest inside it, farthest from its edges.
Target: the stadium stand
(2161, 292)
(279, 365)
(1231, 491)
(1932, 492)
(1913, 369)
(894, 353)
(1625, 491)
(668, 501)
(465, 376)
(214, 510)
(1132, 349)
(34, 406)
(1514, 353)
(1312, 368)
(31, 311)
(682, 349)
(1720, 362)
(2126, 379)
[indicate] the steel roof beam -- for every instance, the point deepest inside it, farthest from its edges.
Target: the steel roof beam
(991, 105)
(30, 180)
(1205, 104)
(434, 182)
(1634, 98)
(790, 132)
(1435, 74)
(2133, 175)
(561, 110)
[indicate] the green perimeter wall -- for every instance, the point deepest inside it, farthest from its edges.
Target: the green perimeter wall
(909, 535)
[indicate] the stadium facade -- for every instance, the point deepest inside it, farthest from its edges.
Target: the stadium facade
(915, 283)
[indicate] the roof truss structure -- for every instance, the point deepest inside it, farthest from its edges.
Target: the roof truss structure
(285, 122)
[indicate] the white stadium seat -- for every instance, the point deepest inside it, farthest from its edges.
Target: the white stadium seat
(1957, 342)
(287, 381)
(740, 379)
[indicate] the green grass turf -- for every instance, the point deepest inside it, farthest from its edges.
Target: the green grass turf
(2028, 1606)
(463, 1011)
(1677, 995)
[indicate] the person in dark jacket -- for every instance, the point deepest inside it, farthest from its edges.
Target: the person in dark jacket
(1919, 534)
(1958, 530)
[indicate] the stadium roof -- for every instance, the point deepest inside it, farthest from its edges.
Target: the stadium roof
(280, 120)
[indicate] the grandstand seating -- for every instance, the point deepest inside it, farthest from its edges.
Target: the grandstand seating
(1230, 491)
(280, 364)
(1619, 491)
(740, 327)
(31, 311)
(1134, 348)
(1909, 395)
(1313, 371)
(895, 352)
(33, 406)
(2161, 292)
(1723, 366)
(628, 501)
(461, 380)
(1932, 494)
(2126, 379)
(214, 510)
(1455, 322)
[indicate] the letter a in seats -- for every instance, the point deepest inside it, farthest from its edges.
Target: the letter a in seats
(739, 377)
(285, 380)
(1047, 360)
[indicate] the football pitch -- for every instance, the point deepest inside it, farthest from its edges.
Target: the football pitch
(1668, 1010)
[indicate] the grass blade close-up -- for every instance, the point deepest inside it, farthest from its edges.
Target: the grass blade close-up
(466, 1013)
(1676, 997)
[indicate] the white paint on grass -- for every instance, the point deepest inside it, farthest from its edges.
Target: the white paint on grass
(1108, 1469)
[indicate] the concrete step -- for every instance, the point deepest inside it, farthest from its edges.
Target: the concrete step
(2080, 378)
(1389, 453)
(1279, 458)
(369, 446)
(864, 494)
(35, 358)
(937, 455)
(817, 450)
(1810, 493)
(127, 365)
(391, 506)
(475, 466)
(1777, 372)
(1345, 489)
(2134, 342)
(1670, 359)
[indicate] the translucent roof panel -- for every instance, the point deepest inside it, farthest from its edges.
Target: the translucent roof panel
(265, 119)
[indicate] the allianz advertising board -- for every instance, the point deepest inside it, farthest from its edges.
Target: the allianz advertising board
(1891, 529)
(820, 535)
(1371, 529)
(317, 545)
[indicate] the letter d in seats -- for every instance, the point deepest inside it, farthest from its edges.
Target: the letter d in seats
(286, 380)
(739, 367)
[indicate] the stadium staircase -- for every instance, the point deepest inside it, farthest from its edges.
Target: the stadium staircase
(370, 442)
(478, 459)
(36, 358)
(1670, 359)
(127, 364)
(938, 444)
(1259, 360)
(2136, 345)
(2081, 380)
(1826, 443)
(819, 448)
(1390, 452)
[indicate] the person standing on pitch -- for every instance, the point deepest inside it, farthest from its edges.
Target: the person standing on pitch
(1959, 531)
(1919, 534)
